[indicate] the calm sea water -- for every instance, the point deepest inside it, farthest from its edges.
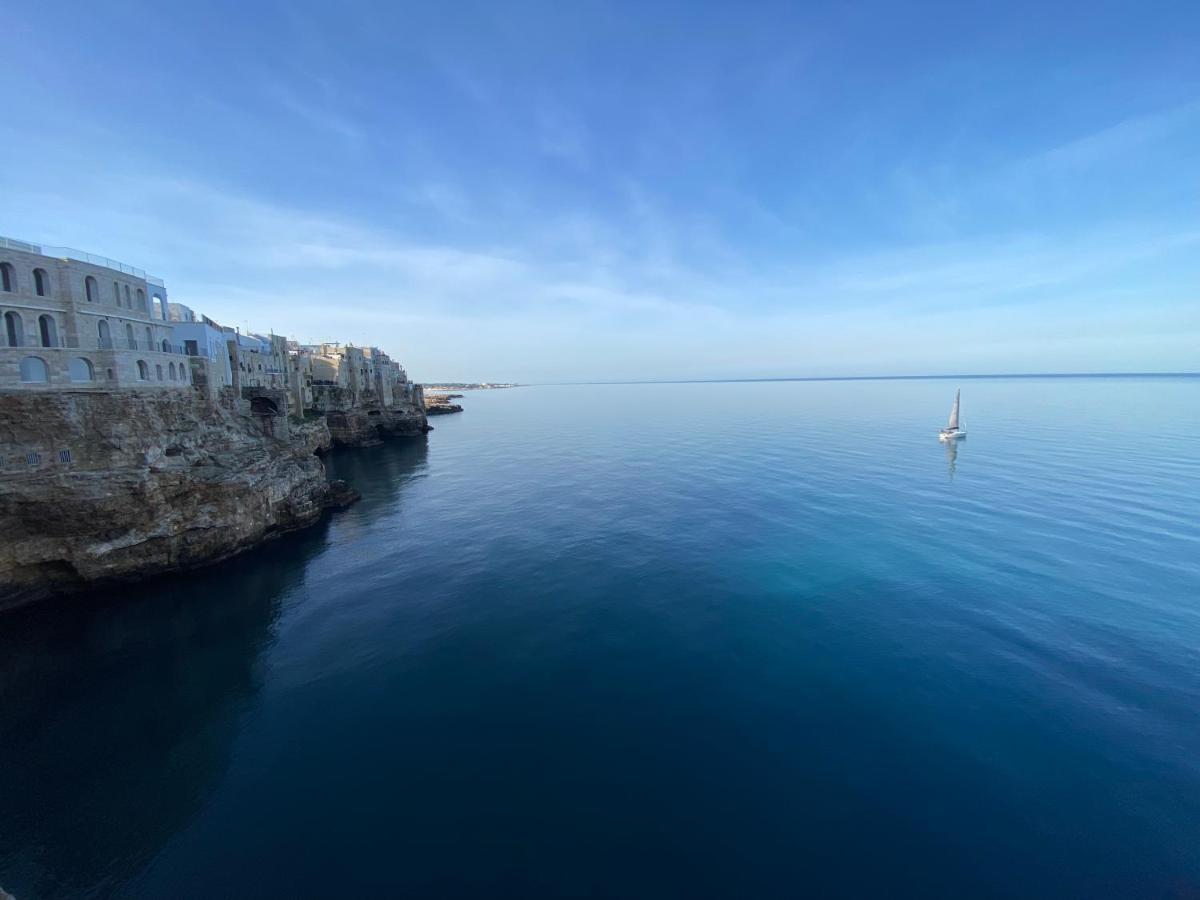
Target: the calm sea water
(656, 641)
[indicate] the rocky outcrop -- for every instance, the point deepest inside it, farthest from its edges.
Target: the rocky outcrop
(440, 405)
(97, 487)
(353, 423)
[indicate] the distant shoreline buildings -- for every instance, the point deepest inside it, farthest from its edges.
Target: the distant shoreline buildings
(74, 321)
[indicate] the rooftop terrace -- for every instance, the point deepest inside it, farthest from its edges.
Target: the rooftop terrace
(81, 256)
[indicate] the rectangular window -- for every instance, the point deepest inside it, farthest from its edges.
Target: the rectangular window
(33, 458)
(64, 456)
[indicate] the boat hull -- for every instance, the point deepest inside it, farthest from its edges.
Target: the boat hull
(951, 435)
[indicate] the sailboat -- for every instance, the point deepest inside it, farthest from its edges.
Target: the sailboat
(952, 431)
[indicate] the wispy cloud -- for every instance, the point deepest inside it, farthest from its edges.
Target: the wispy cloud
(561, 136)
(1123, 138)
(316, 115)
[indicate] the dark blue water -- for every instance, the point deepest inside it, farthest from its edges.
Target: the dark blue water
(656, 641)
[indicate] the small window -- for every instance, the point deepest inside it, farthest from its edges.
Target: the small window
(166, 346)
(81, 370)
(14, 328)
(158, 371)
(8, 277)
(41, 282)
(64, 456)
(149, 339)
(33, 370)
(143, 370)
(141, 298)
(171, 370)
(33, 458)
(129, 336)
(90, 288)
(116, 294)
(128, 301)
(103, 334)
(48, 331)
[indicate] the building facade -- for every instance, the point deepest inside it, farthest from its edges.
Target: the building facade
(75, 321)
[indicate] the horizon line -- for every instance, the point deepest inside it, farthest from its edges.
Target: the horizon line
(975, 376)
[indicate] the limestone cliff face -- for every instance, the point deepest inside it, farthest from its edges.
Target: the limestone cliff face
(107, 487)
(362, 422)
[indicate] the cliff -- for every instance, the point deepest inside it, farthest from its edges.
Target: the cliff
(362, 421)
(440, 405)
(98, 487)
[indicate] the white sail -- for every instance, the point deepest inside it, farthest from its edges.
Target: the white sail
(954, 410)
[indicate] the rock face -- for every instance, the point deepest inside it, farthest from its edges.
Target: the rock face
(356, 424)
(440, 405)
(108, 487)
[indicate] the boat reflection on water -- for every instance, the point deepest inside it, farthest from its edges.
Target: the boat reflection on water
(952, 455)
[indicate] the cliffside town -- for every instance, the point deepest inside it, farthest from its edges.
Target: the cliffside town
(137, 437)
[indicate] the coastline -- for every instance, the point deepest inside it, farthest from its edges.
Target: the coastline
(132, 485)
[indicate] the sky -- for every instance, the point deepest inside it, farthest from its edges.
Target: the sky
(620, 191)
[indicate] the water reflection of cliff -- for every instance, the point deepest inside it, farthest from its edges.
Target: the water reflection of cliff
(118, 714)
(119, 711)
(379, 473)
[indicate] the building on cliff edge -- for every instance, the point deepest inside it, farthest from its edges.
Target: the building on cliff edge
(74, 321)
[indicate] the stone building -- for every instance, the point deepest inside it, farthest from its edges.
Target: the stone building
(366, 376)
(177, 312)
(300, 366)
(75, 321)
(207, 347)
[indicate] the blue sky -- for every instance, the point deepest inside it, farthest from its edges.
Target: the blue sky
(571, 191)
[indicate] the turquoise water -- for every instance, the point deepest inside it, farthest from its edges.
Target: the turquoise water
(659, 641)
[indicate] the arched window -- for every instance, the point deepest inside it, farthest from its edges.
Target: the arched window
(8, 277)
(116, 294)
(141, 295)
(129, 336)
(14, 328)
(90, 288)
(48, 331)
(166, 346)
(171, 370)
(149, 339)
(103, 334)
(128, 301)
(143, 370)
(33, 370)
(41, 282)
(158, 371)
(157, 307)
(81, 370)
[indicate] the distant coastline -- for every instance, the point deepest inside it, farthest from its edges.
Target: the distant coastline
(442, 386)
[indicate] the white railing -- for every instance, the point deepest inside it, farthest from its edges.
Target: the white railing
(71, 253)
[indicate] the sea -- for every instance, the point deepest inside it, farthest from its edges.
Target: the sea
(766, 639)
